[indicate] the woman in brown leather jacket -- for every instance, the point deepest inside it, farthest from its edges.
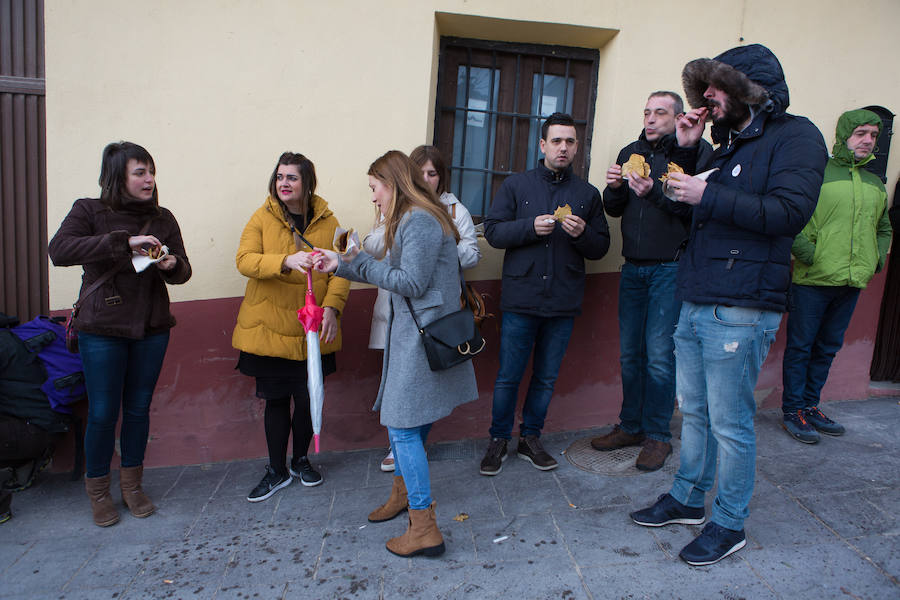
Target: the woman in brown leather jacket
(123, 324)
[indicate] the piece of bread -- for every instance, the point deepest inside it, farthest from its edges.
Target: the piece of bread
(562, 212)
(672, 168)
(637, 165)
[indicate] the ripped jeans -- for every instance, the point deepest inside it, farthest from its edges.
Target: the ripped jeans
(719, 351)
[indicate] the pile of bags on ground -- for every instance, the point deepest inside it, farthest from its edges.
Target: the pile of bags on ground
(39, 381)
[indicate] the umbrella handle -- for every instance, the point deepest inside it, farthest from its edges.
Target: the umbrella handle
(309, 287)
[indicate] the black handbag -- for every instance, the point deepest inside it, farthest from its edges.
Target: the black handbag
(450, 340)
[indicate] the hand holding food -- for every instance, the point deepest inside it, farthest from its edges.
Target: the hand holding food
(167, 263)
(573, 225)
(142, 244)
(685, 188)
(689, 127)
(641, 186)
(614, 176)
(544, 224)
(146, 254)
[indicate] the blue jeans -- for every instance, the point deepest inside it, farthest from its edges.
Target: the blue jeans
(815, 332)
(119, 372)
(718, 353)
(648, 312)
(519, 333)
(411, 463)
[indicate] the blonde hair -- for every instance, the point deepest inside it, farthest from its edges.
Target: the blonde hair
(398, 172)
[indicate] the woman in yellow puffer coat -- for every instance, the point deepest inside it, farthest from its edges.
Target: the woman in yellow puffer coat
(271, 339)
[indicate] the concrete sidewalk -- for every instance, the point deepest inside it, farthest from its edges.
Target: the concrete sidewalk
(823, 524)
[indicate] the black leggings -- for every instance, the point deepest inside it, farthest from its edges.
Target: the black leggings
(279, 426)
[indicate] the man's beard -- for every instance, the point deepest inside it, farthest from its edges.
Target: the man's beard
(736, 114)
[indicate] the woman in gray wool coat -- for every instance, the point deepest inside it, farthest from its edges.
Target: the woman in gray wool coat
(424, 267)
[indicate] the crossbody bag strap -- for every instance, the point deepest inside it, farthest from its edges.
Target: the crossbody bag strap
(413, 313)
(462, 284)
(105, 277)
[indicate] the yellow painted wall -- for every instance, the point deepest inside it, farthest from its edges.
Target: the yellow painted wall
(217, 89)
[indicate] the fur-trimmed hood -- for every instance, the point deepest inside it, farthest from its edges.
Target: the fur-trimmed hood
(751, 74)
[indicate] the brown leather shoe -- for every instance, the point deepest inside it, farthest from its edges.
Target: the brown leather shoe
(617, 438)
(396, 503)
(653, 455)
(421, 537)
(105, 513)
(132, 494)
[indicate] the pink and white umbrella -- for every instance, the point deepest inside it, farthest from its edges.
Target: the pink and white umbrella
(311, 317)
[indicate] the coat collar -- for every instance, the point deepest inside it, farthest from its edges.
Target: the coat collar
(278, 210)
(554, 176)
(664, 143)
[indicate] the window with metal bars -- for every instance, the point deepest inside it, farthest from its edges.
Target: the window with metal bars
(492, 98)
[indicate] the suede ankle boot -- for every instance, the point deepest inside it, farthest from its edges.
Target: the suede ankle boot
(105, 513)
(132, 494)
(396, 503)
(422, 536)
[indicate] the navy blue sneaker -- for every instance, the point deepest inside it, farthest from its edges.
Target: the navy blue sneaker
(817, 419)
(712, 545)
(795, 423)
(667, 511)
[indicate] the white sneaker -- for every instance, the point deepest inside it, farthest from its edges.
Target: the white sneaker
(387, 463)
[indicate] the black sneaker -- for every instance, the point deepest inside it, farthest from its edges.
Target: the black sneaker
(494, 456)
(817, 419)
(271, 483)
(795, 423)
(712, 545)
(668, 511)
(531, 449)
(23, 476)
(304, 471)
(5, 516)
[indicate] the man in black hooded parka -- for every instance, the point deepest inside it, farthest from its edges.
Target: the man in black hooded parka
(733, 280)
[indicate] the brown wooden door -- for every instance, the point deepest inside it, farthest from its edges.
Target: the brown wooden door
(23, 190)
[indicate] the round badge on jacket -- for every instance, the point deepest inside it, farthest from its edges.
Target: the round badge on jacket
(736, 171)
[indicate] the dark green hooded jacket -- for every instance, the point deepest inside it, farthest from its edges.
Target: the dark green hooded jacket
(847, 238)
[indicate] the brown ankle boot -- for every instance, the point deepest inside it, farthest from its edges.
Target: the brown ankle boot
(105, 513)
(395, 504)
(617, 438)
(132, 494)
(653, 455)
(421, 537)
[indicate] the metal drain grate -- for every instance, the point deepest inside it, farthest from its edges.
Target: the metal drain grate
(451, 451)
(615, 462)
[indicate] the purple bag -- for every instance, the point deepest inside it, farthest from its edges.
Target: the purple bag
(65, 373)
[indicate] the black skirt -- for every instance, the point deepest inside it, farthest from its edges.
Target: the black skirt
(279, 377)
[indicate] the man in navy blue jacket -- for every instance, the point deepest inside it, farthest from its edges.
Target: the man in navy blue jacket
(733, 280)
(543, 283)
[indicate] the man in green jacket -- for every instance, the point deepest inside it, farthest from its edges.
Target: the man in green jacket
(837, 253)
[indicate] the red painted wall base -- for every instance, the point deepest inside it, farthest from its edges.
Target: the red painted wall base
(205, 411)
